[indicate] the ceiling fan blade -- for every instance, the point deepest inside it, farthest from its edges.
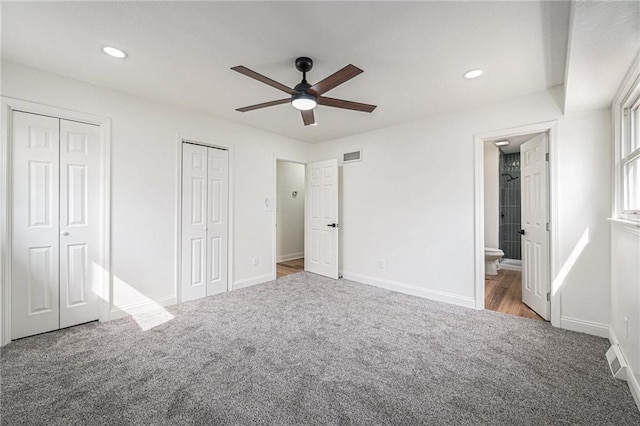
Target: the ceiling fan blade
(335, 79)
(308, 117)
(264, 105)
(340, 103)
(266, 80)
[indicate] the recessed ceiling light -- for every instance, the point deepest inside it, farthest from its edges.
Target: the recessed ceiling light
(473, 74)
(501, 143)
(115, 52)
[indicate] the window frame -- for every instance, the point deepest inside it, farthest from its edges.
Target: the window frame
(626, 108)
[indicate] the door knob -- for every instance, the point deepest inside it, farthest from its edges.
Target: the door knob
(521, 232)
(65, 233)
(333, 225)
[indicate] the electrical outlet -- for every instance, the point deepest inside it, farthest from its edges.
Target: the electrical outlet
(255, 261)
(382, 264)
(626, 327)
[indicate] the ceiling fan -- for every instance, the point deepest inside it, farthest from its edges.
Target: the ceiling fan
(304, 96)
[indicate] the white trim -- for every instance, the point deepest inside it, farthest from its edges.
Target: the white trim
(290, 256)
(186, 138)
(583, 326)
(8, 106)
(552, 128)
(118, 312)
(632, 381)
(632, 76)
(248, 282)
(274, 214)
(508, 267)
(410, 289)
(632, 225)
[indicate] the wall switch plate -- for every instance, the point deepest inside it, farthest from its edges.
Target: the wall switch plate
(267, 204)
(626, 327)
(254, 261)
(382, 264)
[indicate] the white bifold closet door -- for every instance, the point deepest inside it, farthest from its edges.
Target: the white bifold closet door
(55, 178)
(205, 199)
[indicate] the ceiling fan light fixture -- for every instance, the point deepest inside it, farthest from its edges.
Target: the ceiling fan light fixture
(303, 101)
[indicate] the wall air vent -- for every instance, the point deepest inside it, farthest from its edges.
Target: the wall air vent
(617, 363)
(352, 157)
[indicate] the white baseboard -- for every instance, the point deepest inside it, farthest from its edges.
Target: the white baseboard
(290, 256)
(139, 308)
(583, 326)
(248, 282)
(508, 267)
(632, 382)
(413, 290)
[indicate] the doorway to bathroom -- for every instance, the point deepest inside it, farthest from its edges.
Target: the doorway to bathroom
(514, 235)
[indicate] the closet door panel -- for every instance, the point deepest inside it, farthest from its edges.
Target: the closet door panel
(217, 220)
(34, 225)
(79, 213)
(194, 222)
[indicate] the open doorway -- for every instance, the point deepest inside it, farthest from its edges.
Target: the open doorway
(290, 204)
(516, 212)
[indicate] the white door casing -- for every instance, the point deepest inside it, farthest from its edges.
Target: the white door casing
(321, 218)
(205, 200)
(217, 220)
(34, 227)
(535, 216)
(194, 221)
(79, 229)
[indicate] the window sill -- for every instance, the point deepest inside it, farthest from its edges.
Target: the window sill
(625, 222)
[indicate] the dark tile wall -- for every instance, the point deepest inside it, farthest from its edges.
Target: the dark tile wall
(510, 205)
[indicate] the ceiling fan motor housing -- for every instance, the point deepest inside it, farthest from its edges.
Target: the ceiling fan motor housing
(304, 64)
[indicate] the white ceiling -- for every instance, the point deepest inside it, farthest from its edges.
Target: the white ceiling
(604, 39)
(413, 54)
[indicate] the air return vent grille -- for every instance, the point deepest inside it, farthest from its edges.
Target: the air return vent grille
(617, 363)
(351, 157)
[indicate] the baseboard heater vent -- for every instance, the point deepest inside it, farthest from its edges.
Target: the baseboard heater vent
(617, 364)
(352, 157)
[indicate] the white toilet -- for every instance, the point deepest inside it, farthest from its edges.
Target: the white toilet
(492, 258)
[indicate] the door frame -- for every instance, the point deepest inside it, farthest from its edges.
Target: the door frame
(551, 127)
(274, 212)
(9, 105)
(211, 143)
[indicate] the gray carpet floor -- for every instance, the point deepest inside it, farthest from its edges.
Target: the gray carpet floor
(310, 350)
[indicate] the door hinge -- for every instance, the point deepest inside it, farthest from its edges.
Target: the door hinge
(546, 156)
(547, 226)
(548, 297)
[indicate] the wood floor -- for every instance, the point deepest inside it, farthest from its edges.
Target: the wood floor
(503, 293)
(290, 267)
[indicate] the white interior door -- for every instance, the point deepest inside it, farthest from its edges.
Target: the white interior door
(321, 219)
(79, 238)
(535, 216)
(35, 225)
(205, 200)
(217, 220)
(194, 221)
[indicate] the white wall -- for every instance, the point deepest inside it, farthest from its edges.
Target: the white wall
(144, 181)
(625, 298)
(411, 202)
(491, 195)
(584, 203)
(290, 211)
